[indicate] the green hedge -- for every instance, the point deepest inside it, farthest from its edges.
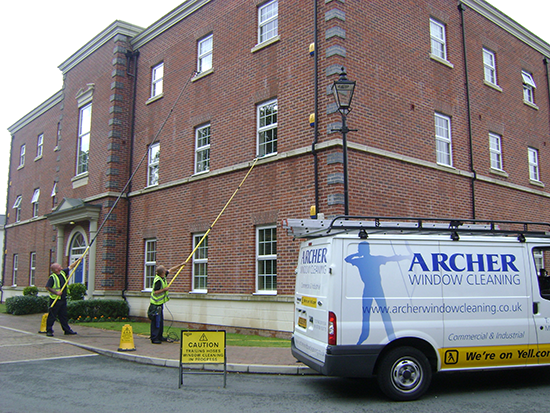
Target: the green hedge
(82, 309)
(26, 304)
(90, 309)
(76, 291)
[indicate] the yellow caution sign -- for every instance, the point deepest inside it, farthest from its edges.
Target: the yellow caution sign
(127, 339)
(43, 324)
(203, 347)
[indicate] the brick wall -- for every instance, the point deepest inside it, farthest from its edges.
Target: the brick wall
(384, 46)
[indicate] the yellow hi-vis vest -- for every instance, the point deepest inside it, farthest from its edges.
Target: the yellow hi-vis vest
(160, 298)
(56, 283)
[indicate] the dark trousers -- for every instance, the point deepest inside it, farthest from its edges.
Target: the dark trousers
(157, 324)
(59, 312)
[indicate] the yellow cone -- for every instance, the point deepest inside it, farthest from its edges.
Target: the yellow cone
(127, 339)
(43, 323)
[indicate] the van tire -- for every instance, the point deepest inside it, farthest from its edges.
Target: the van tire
(404, 373)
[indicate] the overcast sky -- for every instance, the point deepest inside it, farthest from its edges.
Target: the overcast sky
(38, 35)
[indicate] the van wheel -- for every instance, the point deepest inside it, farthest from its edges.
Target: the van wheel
(404, 374)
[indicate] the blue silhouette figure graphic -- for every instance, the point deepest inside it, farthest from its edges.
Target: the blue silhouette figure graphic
(369, 270)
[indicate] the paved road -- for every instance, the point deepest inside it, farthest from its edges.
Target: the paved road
(95, 383)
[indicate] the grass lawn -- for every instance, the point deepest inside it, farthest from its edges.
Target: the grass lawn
(143, 328)
(232, 339)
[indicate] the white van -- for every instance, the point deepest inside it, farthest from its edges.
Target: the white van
(404, 298)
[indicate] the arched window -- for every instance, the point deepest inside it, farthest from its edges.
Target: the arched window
(78, 246)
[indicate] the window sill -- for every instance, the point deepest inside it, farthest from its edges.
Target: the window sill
(267, 155)
(492, 85)
(536, 183)
(154, 99)
(265, 293)
(201, 172)
(498, 172)
(202, 74)
(152, 186)
(198, 292)
(80, 180)
(442, 61)
(38, 158)
(443, 165)
(262, 45)
(20, 167)
(56, 148)
(531, 104)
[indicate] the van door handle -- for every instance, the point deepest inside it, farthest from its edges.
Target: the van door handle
(535, 307)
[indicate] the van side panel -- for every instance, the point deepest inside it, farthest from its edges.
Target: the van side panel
(487, 305)
(381, 301)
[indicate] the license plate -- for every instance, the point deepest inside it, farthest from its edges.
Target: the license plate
(302, 322)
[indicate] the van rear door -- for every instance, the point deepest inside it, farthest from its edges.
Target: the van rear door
(311, 306)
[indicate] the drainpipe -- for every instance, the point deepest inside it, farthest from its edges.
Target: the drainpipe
(130, 56)
(462, 8)
(3, 281)
(546, 63)
(315, 109)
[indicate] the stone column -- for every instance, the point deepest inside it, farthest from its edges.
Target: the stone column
(92, 258)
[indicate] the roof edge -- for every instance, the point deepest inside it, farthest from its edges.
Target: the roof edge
(508, 24)
(35, 113)
(115, 28)
(164, 23)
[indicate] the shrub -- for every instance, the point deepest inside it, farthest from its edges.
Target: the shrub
(88, 309)
(26, 304)
(30, 290)
(76, 291)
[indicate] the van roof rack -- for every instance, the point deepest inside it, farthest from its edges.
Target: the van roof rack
(313, 228)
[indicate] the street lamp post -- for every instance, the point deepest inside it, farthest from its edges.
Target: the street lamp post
(342, 90)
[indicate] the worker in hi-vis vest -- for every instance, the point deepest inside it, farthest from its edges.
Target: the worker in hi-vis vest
(159, 295)
(58, 311)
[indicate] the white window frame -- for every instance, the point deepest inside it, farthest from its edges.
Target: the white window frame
(267, 132)
(438, 39)
(205, 53)
(266, 255)
(22, 155)
(53, 195)
(533, 156)
(200, 264)
(157, 80)
(32, 268)
(39, 146)
(268, 21)
(150, 263)
(17, 207)
(529, 87)
(153, 163)
(57, 136)
(35, 202)
(495, 150)
(84, 133)
(15, 269)
(489, 66)
(202, 148)
(444, 150)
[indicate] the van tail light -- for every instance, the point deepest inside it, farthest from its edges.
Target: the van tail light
(331, 328)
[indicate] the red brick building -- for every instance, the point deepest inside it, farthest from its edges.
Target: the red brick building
(154, 130)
